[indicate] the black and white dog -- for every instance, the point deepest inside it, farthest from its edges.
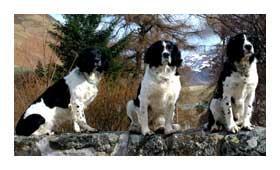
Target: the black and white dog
(67, 99)
(232, 104)
(153, 109)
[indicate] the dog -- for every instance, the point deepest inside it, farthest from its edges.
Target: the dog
(232, 104)
(154, 106)
(66, 99)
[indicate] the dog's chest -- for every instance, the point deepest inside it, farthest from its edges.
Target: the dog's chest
(162, 94)
(239, 85)
(86, 92)
(81, 90)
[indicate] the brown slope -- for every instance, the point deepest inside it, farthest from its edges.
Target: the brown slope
(31, 40)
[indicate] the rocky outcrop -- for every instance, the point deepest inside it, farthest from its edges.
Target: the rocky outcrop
(190, 142)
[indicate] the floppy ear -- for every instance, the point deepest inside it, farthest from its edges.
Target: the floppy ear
(80, 62)
(148, 57)
(176, 57)
(85, 62)
(234, 49)
(230, 51)
(153, 55)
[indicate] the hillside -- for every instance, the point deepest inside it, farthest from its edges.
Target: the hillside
(31, 40)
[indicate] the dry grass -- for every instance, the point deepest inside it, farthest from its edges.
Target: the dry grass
(107, 112)
(196, 99)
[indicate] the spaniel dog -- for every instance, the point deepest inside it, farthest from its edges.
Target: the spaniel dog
(153, 108)
(67, 98)
(232, 104)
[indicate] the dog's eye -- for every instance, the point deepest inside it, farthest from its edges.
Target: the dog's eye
(169, 46)
(250, 39)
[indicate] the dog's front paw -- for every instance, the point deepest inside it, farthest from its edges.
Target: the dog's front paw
(248, 126)
(172, 129)
(147, 133)
(89, 129)
(169, 132)
(177, 127)
(92, 130)
(50, 133)
(233, 129)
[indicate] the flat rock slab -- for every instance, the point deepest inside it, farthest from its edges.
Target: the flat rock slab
(194, 142)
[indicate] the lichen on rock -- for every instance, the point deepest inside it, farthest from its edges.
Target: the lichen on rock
(196, 142)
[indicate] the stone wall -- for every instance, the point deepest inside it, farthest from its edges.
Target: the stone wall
(191, 142)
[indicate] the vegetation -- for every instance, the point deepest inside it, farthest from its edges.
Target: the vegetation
(80, 32)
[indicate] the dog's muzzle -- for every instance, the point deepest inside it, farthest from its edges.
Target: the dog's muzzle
(248, 49)
(166, 58)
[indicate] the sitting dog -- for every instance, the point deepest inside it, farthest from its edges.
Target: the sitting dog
(232, 103)
(158, 92)
(67, 98)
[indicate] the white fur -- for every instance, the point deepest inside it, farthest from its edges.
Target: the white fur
(160, 89)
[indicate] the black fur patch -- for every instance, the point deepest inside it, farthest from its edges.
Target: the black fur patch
(211, 120)
(57, 95)
(136, 101)
(25, 127)
(232, 100)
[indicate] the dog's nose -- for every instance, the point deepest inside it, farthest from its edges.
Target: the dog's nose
(165, 55)
(248, 47)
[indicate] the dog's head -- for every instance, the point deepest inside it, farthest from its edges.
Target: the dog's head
(240, 49)
(91, 60)
(163, 53)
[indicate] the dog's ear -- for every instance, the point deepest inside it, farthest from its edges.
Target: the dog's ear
(153, 54)
(176, 57)
(150, 54)
(234, 48)
(231, 48)
(80, 62)
(84, 62)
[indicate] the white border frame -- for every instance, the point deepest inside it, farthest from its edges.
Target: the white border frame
(9, 8)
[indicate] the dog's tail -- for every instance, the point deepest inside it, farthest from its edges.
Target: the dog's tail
(26, 126)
